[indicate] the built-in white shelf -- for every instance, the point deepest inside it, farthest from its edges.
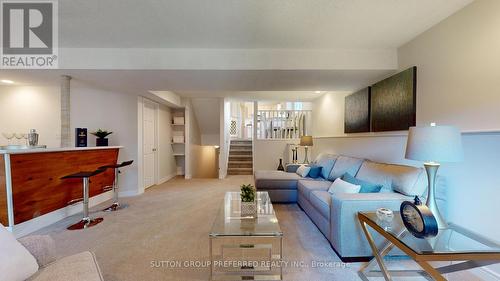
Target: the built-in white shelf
(177, 124)
(177, 143)
(179, 154)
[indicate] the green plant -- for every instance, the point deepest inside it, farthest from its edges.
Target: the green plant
(247, 193)
(101, 133)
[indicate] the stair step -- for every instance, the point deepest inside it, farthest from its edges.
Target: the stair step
(240, 164)
(241, 141)
(241, 144)
(239, 171)
(246, 159)
(242, 148)
(240, 152)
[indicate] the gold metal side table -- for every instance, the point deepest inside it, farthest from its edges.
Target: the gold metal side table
(452, 244)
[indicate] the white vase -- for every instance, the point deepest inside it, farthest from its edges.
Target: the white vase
(248, 209)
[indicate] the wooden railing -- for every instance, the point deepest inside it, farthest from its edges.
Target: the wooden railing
(283, 124)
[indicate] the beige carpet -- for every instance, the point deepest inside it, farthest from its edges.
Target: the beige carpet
(171, 222)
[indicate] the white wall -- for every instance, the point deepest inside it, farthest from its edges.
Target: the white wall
(459, 68)
(267, 153)
(457, 84)
(210, 139)
(224, 117)
(25, 107)
(327, 111)
(117, 112)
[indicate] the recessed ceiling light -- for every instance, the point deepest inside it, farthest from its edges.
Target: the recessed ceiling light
(7, 81)
(317, 92)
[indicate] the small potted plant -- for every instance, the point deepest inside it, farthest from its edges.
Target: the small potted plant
(248, 203)
(101, 137)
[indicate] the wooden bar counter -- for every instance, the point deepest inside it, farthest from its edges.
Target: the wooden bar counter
(31, 184)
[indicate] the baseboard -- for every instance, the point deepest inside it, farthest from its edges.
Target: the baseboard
(37, 223)
(167, 178)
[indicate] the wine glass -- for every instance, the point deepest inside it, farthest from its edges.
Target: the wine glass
(18, 136)
(25, 137)
(8, 136)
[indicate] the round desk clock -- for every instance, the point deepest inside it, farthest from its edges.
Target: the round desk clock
(418, 219)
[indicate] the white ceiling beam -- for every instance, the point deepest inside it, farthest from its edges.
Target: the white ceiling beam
(227, 59)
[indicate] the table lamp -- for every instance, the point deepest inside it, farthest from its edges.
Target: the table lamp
(433, 144)
(306, 141)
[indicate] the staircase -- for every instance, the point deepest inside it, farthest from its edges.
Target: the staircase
(240, 158)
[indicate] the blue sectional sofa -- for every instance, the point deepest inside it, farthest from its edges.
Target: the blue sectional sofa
(336, 216)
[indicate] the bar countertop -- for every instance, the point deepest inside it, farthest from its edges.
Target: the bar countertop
(57, 149)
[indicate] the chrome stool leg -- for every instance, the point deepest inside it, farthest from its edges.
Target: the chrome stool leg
(115, 206)
(86, 221)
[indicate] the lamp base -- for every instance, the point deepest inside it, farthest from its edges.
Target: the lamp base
(306, 159)
(431, 169)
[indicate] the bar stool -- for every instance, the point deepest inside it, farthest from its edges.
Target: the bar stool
(116, 205)
(86, 221)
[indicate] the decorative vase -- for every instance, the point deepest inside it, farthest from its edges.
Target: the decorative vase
(280, 166)
(101, 142)
(248, 209)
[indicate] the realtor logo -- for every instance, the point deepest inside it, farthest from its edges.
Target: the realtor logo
(29, 34)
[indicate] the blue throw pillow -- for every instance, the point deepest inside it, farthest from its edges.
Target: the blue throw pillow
(366, 187)
(315, 171)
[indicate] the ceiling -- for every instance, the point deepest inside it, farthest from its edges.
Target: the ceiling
(247, 24)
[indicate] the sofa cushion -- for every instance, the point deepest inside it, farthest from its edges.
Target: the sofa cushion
(345, 164)
(79, 267)
(321, 201)
(407, 180)
(366, 187)
(16, 263)
(306, 186)
(326, 161)
(276, 180)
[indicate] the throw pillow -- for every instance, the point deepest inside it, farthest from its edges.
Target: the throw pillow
(303, 171)
(326, 161)
(366, 187)
(340, 186)
(315, 171)
(16, 263)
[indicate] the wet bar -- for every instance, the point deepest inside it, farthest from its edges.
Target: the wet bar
(31, 184)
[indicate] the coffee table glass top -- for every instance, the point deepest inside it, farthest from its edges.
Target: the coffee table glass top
(229, 221)
(452, 240)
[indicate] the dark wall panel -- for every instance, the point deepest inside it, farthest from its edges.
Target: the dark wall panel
(393, 102)
(357, 112)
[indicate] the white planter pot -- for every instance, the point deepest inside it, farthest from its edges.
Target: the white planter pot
(248, 209)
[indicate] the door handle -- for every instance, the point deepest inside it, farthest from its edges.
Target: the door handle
(154, 149)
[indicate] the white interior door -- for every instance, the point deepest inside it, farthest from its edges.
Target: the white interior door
(150, 109)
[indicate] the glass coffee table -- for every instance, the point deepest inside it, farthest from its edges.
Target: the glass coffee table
(246, 248)
(452, 244)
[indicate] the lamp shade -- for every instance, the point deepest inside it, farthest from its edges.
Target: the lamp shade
(434, 144)
(306, 141)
